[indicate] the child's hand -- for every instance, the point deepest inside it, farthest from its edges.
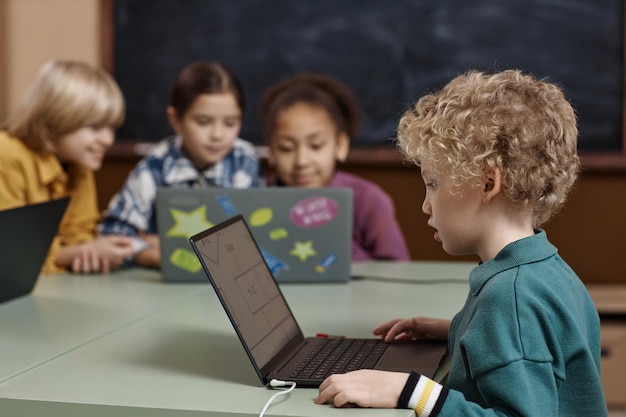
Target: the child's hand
(414, 328)
(102, 254)
(151, 255)
(365, 388)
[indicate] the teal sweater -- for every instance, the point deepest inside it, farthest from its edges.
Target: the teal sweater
(526, 343)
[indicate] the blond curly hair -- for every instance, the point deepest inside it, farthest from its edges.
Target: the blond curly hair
(508, 120)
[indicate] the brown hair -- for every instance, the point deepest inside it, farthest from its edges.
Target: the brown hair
(204, 77)
(318, 90)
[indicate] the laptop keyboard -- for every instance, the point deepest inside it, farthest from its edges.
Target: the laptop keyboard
(336, 356)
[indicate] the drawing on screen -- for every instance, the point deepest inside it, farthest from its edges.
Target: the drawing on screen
(248, 289)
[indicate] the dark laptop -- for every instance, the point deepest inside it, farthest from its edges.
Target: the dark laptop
(26, 234)
(270, 333)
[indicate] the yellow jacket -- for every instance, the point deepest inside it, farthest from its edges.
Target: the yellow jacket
(27, 177)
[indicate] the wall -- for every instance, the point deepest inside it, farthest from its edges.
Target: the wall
(3, 59)
(33, 31)
(590, 232)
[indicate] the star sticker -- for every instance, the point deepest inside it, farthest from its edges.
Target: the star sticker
(188, 223)
(303, 250)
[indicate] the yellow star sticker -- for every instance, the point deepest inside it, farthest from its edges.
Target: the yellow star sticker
(303, 250)
(189, 223)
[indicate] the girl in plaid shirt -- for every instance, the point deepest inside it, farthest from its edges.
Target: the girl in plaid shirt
(206, 107)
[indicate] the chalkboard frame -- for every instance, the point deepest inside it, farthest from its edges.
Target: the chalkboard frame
(597, 160)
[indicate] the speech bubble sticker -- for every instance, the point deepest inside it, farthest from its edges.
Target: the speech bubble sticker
(314, 211)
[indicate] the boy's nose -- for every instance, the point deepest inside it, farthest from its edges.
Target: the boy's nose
(106, 136)
(426, 207)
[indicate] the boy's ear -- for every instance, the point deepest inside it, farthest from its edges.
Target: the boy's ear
(172, 117)
(343, 147)
(491, 185)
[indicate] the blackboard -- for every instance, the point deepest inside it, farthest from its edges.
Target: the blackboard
(388, 52)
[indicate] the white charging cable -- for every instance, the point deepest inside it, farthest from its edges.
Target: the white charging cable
(275, 383)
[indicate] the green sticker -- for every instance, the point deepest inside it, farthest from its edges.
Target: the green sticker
(278, 234)
(185, 260)
(261, 217)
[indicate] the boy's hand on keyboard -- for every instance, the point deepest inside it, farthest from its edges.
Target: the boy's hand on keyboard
(365, 388)
(414, 328)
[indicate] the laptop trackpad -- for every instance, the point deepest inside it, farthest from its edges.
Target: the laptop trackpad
(421, 357)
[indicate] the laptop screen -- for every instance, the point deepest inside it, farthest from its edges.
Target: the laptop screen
(246, 288)
(24, 249)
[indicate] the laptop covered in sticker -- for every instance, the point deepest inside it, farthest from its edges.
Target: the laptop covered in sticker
(304, 234)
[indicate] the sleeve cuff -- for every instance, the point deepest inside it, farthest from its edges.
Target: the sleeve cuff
(423, 395)
(409, 387)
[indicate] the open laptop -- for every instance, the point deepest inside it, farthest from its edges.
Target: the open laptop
(26, 234)
(305, 234)
(267, 328)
